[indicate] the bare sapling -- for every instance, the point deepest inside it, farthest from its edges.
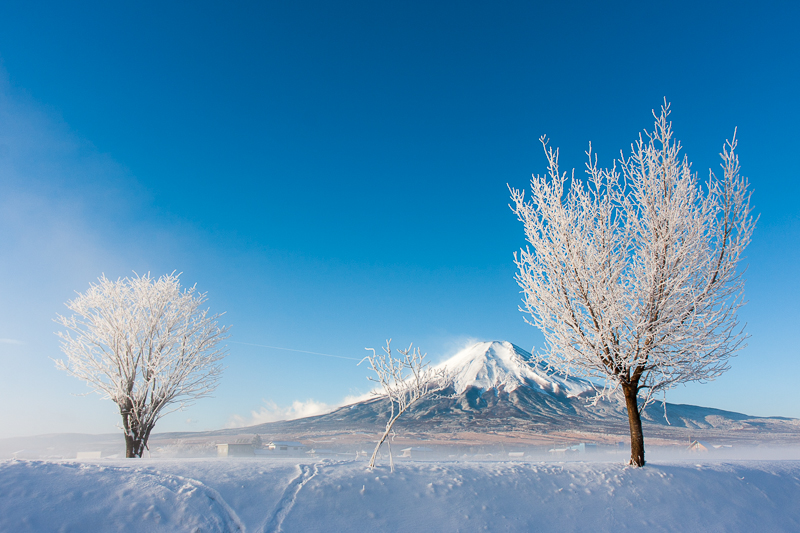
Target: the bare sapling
(404, 381)
(146, 345)
(632, 274)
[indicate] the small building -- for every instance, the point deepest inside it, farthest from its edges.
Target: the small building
(286, 446)
(318, 452)
(419, 452)
(699, 447)
(583, 447)
(235, 450)
(89, 455)
(559, 451)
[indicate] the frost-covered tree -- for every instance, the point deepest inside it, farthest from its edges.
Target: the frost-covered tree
(145, 344)
(404, 381)
(632, 275)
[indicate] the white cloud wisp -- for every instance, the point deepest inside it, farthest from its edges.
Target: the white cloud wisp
(272, 412)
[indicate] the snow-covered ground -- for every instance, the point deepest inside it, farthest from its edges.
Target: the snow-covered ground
(292, 495)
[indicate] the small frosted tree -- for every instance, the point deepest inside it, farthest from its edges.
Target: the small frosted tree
(404, 381)
(632, 276)
(145, 344)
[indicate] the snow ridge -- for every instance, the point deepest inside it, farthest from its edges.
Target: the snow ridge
(500, 364)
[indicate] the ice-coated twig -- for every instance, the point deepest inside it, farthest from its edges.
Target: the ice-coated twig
(404, 381)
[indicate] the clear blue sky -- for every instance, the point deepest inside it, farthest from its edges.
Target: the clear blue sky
(334, 174)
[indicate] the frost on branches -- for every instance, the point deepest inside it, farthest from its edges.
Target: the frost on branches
(145, 344)
(632, 276)
(404, 381)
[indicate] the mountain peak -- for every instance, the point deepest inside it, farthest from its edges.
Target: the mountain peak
(500, 364)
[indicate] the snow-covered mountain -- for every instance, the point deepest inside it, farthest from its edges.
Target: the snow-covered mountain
(498, 388)
(503, 366)
(495, 384)
(498, 394)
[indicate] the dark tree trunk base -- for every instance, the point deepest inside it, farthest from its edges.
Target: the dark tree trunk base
(136, 436)
(134, 446)
(635, 423)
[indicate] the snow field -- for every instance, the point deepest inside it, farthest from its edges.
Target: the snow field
(281, 495)
(41, 496)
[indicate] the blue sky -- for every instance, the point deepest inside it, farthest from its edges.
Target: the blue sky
(333, 174)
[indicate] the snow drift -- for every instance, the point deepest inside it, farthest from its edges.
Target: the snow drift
(256, 495)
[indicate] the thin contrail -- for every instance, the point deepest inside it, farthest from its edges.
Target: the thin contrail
(293, 350)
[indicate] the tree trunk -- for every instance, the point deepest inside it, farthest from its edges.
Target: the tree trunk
(389, 425)
(133, 446)
(635, 422)
(135, 436)
(383, 438)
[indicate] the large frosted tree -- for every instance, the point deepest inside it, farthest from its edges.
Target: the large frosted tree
(145, 344)
(631, 275)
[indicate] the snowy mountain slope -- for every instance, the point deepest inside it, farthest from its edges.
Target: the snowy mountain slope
(498, 381)
(502, 365)
(491, 381)
(497, 387)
